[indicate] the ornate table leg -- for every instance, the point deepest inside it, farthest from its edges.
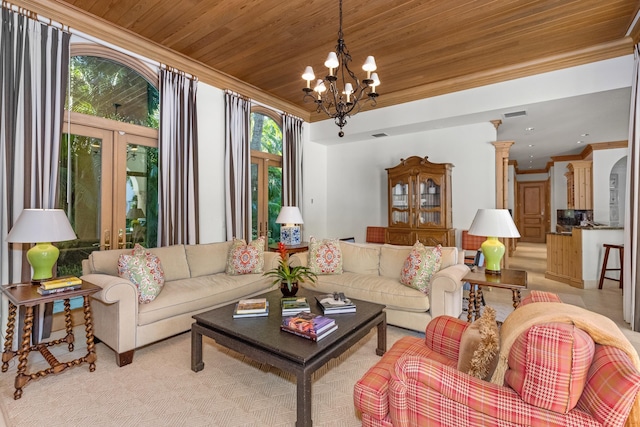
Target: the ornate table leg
(472, 302)
(516, 297)
(7, 355)
(23, 354)
(88, 326)
(68, 323)
(479, 299)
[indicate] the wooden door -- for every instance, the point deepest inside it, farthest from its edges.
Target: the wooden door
(532, 211)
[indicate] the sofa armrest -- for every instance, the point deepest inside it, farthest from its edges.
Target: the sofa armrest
(443, 335)
(446, 291)
(115, 311)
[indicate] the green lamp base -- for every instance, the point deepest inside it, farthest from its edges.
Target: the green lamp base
(493, 251)
(42, 258)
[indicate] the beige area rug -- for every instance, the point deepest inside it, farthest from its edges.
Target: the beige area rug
(160, 389)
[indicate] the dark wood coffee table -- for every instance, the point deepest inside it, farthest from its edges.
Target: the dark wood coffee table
(260, 339)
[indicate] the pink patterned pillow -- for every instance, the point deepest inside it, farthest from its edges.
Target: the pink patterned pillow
(143, 269)
(420, 265)
(246, 258)
(325, 257)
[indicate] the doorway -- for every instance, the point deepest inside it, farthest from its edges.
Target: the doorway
(533, 211)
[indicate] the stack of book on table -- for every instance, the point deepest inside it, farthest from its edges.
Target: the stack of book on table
(309, 325)
(294, 305)
(59, 285)
(255, 307)
(336, 303)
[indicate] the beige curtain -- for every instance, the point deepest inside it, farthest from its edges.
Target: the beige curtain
(178, 220)
(237, 167)
(34, 69)
(291, 161)
(631, 291)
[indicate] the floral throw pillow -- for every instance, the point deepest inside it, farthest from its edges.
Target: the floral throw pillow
(246, 258)
(143, 269)
(420, 265)
(325, 257)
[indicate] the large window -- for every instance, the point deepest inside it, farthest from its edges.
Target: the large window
(266, 174)
(109, 155)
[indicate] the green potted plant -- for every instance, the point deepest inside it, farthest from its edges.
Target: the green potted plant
(289, 276)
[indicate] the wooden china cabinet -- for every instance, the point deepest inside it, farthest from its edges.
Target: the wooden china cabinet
(420, 203)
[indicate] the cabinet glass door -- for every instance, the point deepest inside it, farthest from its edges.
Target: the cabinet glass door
(430, 206)
(400, 203)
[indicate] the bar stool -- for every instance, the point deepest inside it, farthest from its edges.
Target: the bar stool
(607, 247)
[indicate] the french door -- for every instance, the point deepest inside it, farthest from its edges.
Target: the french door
(108, 187)
(266, 195)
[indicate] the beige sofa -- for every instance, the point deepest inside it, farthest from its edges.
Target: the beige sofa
(194, 282)
(371, 272)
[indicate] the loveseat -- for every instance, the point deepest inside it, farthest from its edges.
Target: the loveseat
(559, 365)
(371, 272)
(195, 281)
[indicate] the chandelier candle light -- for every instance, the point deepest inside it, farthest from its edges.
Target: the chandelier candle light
(43, 226)
(493, 223)
(340, 94)
(289, 217)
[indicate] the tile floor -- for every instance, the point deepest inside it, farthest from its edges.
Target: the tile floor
(532, 257)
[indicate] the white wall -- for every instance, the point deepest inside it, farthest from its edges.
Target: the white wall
(356, 183)
(603, 163)
(314, 178)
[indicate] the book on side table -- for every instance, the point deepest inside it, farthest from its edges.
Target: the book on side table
(59, 285)
(294, 305)
(336, 303)
(309, 325)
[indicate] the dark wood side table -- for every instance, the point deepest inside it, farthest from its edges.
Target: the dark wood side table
(516, 280)
(26, 295)
(291, 249)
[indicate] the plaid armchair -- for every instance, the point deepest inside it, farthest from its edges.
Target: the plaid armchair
(557, 376)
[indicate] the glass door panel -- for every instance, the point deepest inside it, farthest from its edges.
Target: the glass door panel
(141, 192)
(266, 198)
(430, 207)
(274, 203)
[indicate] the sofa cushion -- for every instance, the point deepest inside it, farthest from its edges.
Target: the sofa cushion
(143, 269)
(359, 258)
(325, 257)
(548, 365)
(392, 260)
(106, 262)
(420, 265)
(246, 258)
(376, 289)
(479, 346)
(207, 259)
(201, 293)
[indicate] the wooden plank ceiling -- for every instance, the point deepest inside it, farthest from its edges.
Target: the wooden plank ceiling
(418, 44)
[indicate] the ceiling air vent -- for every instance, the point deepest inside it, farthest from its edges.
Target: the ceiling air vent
(379, 135)
(515, 114)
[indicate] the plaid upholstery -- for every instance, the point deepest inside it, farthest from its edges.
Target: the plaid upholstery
(548, 365)
(540, 296)
(612, 386)
(369, 421)
(376, 234)
(370, 392)
(470, 242)
(426, 393)
(443, 335)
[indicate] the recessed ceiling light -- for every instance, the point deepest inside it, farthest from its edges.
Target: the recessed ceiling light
(531, 145)
(584, 134)
(529, 129)
(579, 142)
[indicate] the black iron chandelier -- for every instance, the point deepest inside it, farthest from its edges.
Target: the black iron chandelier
(341, 94)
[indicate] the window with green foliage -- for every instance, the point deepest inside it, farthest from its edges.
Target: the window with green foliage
(266, 175)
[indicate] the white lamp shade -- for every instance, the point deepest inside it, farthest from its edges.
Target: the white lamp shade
(308, 74)
(348, 89)
(289, 215)
(41, 225)
(332, 60)
(320, 87)
(493, 223)
(369, 64)
(376, 80)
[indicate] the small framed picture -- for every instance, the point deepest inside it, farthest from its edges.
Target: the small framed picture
(613, 181)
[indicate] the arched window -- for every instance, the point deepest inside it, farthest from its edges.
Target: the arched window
(266, 173)
(109, 155)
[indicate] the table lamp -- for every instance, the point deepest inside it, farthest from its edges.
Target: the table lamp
(493, 223)
(290, 232)
(41, 226)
